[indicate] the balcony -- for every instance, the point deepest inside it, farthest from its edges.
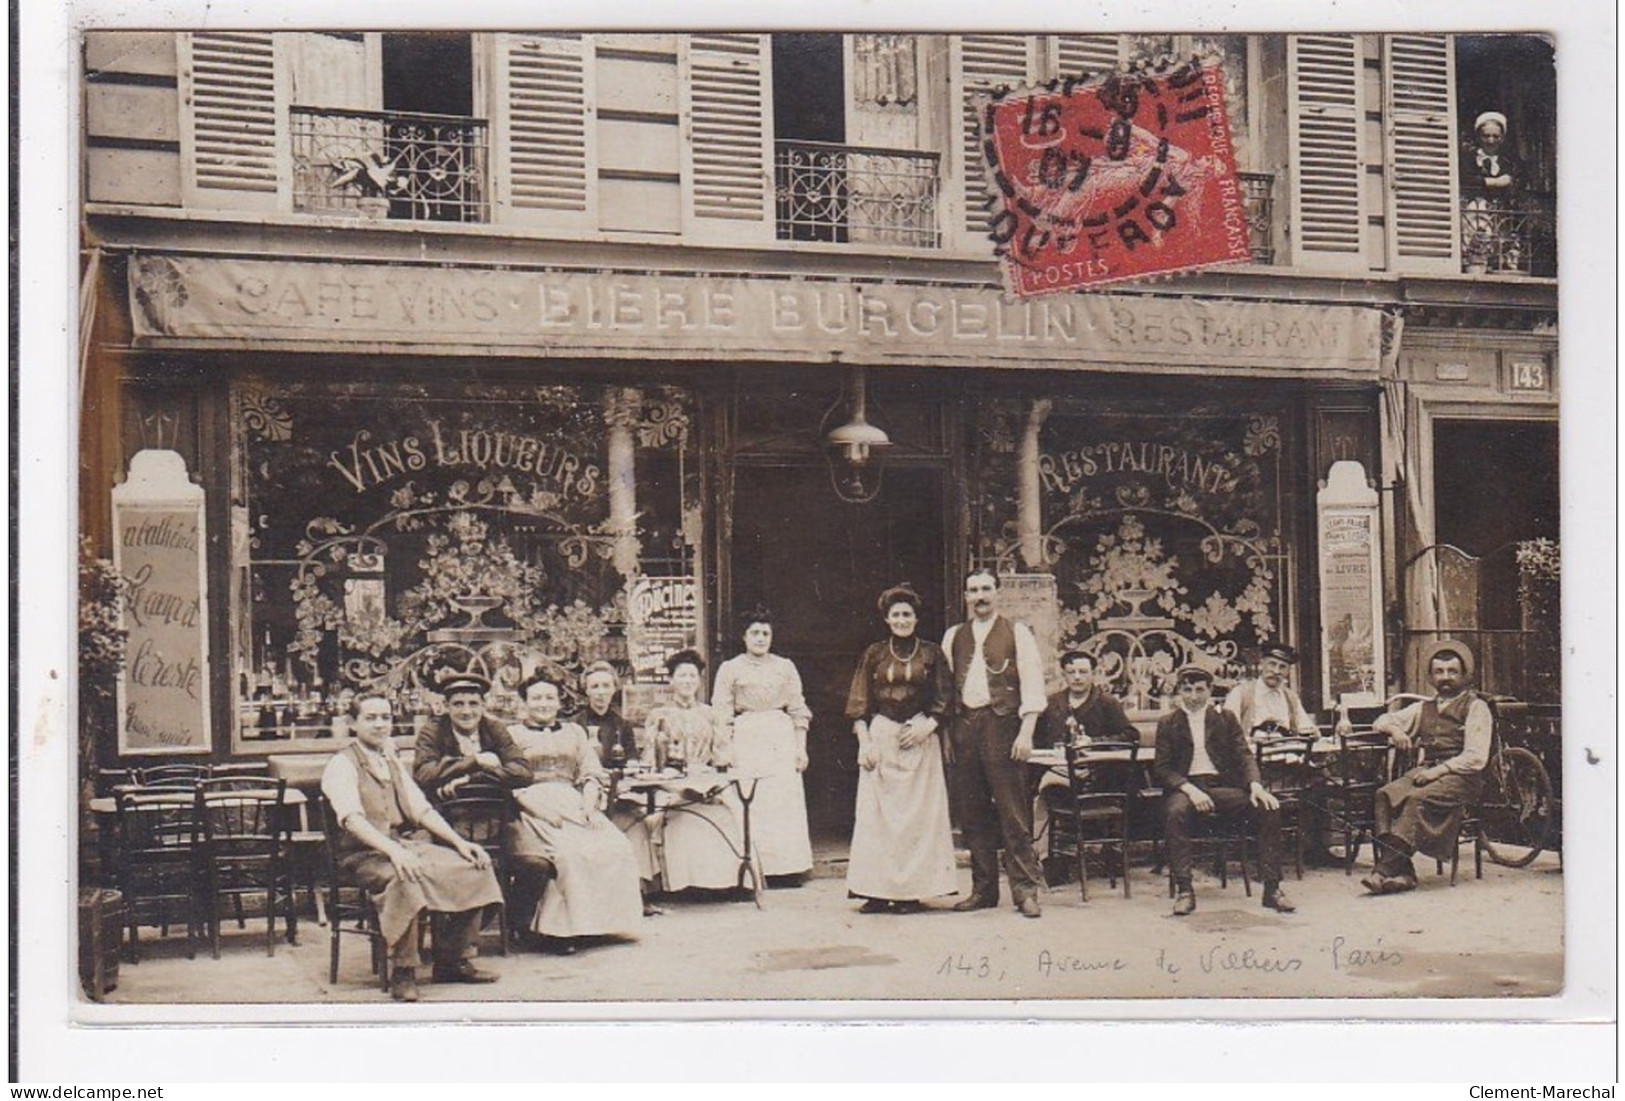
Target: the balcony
(387, 164)
(1516, 235)
(827, 192)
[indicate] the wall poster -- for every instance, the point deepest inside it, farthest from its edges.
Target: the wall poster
(1350, 588)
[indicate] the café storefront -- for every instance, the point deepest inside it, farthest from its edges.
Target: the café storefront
(408, 465)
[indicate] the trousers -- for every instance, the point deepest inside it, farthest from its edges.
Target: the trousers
(1181, 817)
(992, 803)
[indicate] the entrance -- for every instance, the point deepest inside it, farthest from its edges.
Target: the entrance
(819, 565)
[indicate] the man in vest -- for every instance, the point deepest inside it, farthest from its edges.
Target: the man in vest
(1422, 810)
(1267, 702)
(1204, 763)
(998, 697)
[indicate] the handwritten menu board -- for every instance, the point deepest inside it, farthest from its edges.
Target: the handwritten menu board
(1352, 660)
(1034, 599)
(158, 548)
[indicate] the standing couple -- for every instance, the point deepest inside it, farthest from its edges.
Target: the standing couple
(986, 683)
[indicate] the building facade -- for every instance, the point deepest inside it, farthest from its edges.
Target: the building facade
(543, 362)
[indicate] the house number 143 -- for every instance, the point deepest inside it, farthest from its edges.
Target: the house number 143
(1528, 374)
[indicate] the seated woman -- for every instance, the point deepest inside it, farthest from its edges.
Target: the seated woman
(616, 743)
(380, 848)
(596, 890)
(699, 845)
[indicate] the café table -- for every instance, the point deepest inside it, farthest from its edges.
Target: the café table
(670, 791)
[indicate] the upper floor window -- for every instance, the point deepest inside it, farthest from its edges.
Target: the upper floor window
(384, 126)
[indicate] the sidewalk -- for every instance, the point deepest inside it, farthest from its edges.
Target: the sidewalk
(1497, 937)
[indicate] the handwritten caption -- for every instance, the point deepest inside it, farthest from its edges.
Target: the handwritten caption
(1339, 955)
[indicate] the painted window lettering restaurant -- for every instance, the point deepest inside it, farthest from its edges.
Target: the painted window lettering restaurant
(603, 339)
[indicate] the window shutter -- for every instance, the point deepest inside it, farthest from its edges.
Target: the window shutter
(1323, 74)
(981, 62)
(544, 152)
(726, 82)
(233, 134)
(1419, 82)
(1092, 56)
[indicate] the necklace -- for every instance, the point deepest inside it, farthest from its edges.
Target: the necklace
(908, 662)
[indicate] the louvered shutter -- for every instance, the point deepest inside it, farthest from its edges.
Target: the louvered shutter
(544, 130)
(233, 129)
(727, 154)
(1092, 56)
(980, 62)
(1323, 74)
(1418, 81)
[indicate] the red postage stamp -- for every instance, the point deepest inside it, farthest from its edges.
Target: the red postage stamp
(1130, 177)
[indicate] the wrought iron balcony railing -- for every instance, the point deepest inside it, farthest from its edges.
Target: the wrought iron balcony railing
(830, 192)
(387, 164)
(1515, 235)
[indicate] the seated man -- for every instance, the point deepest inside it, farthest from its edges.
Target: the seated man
(1266, 702)
(393, 844)
(1084, 708)
(1204, 763)
(1083, 712)
(464, 744)
(1422, 810)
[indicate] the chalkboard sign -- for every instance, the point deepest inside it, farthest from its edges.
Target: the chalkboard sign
(1351, 638)
(158, 548)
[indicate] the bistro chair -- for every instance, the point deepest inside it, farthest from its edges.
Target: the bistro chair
(1347, 792)
(350, 908)
(157, 862)
(244, 826)
(1098, 808)
(484, 819)
(1286, 769)
(172, 777)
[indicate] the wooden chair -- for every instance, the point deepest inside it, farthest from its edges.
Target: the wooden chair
(244, 825)
(184, 777)
(349, 908)
(1098, 808)
(484, 819)
(157, 862)
(1347, 792)
(1285, 767)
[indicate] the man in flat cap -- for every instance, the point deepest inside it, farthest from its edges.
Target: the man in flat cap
(1422, 810)
(1266, 703)
(465, 744)
(1204, 764)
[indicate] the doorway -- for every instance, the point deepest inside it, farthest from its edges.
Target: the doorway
(819, 565)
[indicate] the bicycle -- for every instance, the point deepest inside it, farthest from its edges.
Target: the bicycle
(1512, 819)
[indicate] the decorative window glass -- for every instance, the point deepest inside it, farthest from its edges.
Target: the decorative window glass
(386, 530)
(1163, 532)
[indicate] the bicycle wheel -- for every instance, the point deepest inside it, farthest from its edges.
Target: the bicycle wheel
(1516, 819)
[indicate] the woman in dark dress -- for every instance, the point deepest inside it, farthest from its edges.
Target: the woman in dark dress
(902, 847)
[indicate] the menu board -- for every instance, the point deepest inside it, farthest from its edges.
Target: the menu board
(1034, 599)
(1352, 664)
(158, 548)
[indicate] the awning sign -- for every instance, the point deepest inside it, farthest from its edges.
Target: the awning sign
(1130, 177)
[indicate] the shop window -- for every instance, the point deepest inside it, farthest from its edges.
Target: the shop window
(387, 531)
(1162, 531)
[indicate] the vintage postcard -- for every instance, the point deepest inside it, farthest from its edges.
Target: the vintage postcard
(640, 523)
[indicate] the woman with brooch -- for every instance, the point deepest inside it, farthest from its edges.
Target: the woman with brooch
(902, 845)
(765, 717)
(701, 843)
(595, 892)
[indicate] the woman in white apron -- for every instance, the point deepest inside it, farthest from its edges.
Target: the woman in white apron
(759, 700)
(902, 844)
